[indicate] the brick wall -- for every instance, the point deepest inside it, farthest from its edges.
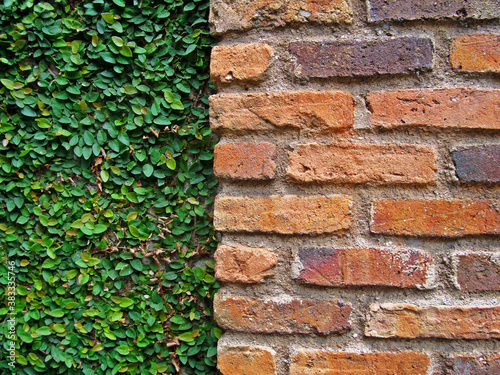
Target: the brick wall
(359, 208)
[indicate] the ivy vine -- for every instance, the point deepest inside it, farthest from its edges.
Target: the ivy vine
(106, 187)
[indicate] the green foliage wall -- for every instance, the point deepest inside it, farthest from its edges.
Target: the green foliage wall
(106, 186)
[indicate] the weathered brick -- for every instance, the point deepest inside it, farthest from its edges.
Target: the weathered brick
(246, 314)
(447, 322)
(356, 163)
(443, 108)
(245, 161)
(383, 10)
(242, 264)
(313, 362)
(243, 63)
(321, 112)
(362, 58)
(435, 217)
(361, 266)
(476, 272)
(477, 163)
(476, 52)
(247, 14)
(287, 214)
(472, 365)
(246, 360)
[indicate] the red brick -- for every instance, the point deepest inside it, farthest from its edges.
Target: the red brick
(243, 63)
(246, 360)
(242, 264)
(247, 14)
(245, 161)
(362, 58)
(359, 267)
(383, 10)
(435, 217)
(287, 214)
(442, 108)
(323, 112)
(472, 365)
(313, 362)
(477, 163)
(247, 314)
(476, 53)
(475, 272)
(447, 322)
(357, 163)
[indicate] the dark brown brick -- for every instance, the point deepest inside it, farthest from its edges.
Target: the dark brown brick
(362, 58)
(478, 163)
(381, 10)
(475, 272)
(472, 365)
(359, 267)
(247, 314)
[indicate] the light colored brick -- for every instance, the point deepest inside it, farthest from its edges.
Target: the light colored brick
(287, 214)
(443, 108)
(248, 14)
(242, 63)
(435, 217)
(314, 362)
(246, 360)
(476, 53)
(247, 314)
(243, 264)
(245, 161)
(356, 163)
(447, 322)
(322, 112)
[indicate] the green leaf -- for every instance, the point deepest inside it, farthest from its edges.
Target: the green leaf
(186, 336)
(43, 123)
(169, 97)
(57, 313)
(171, 164)
(131, 216)
(123, 349)
(148, 170)
(104, 175)
(7, 83)
(43, 331)
(134, 231)
(126, 302)
(108, 17)
(177, 104)
(126, 51)
(117, 41)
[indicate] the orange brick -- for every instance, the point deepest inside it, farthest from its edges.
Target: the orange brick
(287, 214)
(356, 163)
(313, 362)
(322, 112)
(243, 63)
(358, 267)
(476, 53)
(447, 322)
(245, 161)
(435, 217)
(442, 108)
(242, 264)
(247, 314)
(248, 14)
(247, 360)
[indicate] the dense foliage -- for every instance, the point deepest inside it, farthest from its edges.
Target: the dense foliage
(106, 186)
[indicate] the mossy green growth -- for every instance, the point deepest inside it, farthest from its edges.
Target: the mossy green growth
(106, 188)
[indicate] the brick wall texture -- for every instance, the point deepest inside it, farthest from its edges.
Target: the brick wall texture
(359, 202)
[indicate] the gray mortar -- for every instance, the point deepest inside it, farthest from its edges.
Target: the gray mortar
(281, 78)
